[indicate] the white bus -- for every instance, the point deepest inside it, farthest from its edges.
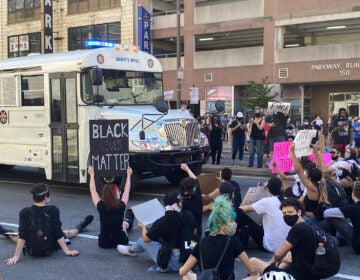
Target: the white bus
(46, 102)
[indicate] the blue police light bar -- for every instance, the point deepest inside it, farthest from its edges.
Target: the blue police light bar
(98, 44)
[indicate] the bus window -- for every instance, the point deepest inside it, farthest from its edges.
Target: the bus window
(32, 90)
(86, 88)
(8, 87)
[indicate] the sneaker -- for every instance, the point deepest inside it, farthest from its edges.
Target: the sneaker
(125, 250)
(129, 218)
(88, 219)
(3, 230)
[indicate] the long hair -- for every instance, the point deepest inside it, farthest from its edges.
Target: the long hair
(108, 195)
(317, 179)
(222, 212)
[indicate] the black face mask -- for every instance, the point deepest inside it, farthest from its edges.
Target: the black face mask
(290, 220)
(257, 115)
(334, 157)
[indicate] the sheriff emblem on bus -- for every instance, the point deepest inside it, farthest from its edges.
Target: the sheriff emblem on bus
(3, 117)
(150, 63)
(100, 59)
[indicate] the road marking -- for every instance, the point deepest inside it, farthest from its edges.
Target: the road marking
(79, 235)
(345, 276)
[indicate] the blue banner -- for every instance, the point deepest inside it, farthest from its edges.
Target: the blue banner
(144, 31)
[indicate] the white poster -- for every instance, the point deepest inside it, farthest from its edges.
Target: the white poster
(278, 107)
(194, 95)
(302, 142)
(149, 211)
(168, 95)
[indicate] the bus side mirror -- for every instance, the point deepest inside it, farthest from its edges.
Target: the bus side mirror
(98, 98)
(96, 76)
(161, 106)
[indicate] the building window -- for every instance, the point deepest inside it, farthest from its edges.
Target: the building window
(21, 10)
(32, 90)
(22, 45)
(82, 6)
(105, 32)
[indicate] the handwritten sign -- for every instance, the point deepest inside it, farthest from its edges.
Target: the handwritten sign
(281, 156)
(168, 95)
(302, 142)
(278, 107)
(326, 158)
(109, 146)
(148, 212)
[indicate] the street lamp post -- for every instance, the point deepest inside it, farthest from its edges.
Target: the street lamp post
(178, 54)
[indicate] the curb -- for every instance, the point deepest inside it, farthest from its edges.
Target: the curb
(236, 170)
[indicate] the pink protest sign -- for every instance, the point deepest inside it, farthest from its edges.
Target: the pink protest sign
(281, 157)
(326, 157)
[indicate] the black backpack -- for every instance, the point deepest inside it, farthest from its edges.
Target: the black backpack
(326, 265)
(336, 193)
(188, 239)
(355, 172)
(39, 238)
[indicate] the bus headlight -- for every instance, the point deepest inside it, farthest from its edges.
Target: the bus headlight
(148, 145)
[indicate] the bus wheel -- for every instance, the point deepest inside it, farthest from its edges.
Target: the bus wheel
(175, 178)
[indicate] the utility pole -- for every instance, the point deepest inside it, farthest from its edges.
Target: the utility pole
(178, 53)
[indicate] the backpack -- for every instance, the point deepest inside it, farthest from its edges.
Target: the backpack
(336, 194)
(355, 172)
(39, 238)
(188, 239)
(212, 273)
(326, 265)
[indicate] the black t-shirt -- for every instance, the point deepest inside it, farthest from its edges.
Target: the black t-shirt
(256, 133)
(352, 211)
(50, 210)
(239, 132)
(194, 204)
(216, 133)
(111, 222)
(341, 136)
(211, 250)
(237, 199)
(167, 229)
(302, 238)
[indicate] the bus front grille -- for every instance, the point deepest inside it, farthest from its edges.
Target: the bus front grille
(183, 135)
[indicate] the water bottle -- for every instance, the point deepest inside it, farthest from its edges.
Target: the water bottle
(320, 250)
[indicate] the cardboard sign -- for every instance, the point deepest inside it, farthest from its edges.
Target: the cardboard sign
(281, 157)
(278, 107)
(149, 211)
(302, 142)
(109, 146)
(326, 158)
(255, 194)
(208, 182)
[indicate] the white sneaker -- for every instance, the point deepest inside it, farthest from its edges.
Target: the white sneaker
(124, 250)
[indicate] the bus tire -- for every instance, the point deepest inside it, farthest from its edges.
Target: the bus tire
(6, 167)
(175, 178)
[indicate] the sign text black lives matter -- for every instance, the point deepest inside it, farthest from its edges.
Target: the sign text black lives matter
(109, 146)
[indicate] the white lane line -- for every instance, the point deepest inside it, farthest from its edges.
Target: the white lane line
(345, 276)
(79, 235)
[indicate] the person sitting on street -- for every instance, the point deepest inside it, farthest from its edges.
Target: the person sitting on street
(297, 253)
(50, 215)
(222, 227)
(111, 207)
(273, 232)
(164, 235)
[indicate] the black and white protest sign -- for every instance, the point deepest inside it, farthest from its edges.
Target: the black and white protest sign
(109, 146)
(278, 107)
(302, 142)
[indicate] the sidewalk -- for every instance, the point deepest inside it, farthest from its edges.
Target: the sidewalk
(236, 169)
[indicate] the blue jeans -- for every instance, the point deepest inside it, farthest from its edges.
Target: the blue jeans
(259, 152)
(342, 226)
(152, 248)
(238, 145)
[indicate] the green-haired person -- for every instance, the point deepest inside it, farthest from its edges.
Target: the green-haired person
(222, 227)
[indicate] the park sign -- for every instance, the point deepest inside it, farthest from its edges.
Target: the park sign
(274, 107)
(109, 147)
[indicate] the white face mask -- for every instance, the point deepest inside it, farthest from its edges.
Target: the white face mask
(347, 155)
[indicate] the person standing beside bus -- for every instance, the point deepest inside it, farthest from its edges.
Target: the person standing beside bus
(111, 207)
(257, 136)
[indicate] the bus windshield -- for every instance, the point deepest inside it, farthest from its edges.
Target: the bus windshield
(121, 87)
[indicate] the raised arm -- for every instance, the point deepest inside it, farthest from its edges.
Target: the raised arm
(94, 194)
(186, 168)
(281, 174)
(125, 196)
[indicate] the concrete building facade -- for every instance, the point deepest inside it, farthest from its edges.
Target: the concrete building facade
(309, 50)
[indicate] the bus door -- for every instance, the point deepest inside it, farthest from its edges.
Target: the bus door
(64, 127)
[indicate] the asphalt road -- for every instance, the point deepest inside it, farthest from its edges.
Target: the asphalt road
(94, 262)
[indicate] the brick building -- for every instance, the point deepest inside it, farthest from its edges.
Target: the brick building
(309, 49)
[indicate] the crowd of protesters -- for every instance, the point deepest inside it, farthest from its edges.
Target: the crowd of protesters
(324, 195)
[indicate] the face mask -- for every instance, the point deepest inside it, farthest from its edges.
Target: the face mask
(230, 229)
(257, 115)
(347, 155)
(290, 220)
(339, 172)
(334, 157)
(306, 123)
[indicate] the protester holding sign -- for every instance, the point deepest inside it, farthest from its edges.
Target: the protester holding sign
(277, 132)
(111, 207)
(316, 196)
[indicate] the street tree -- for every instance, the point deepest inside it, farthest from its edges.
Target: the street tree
(257, 95)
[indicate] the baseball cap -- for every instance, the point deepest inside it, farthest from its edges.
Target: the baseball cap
(240, 115)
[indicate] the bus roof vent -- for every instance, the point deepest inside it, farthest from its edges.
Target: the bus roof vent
(208, 77)
(283, 73)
